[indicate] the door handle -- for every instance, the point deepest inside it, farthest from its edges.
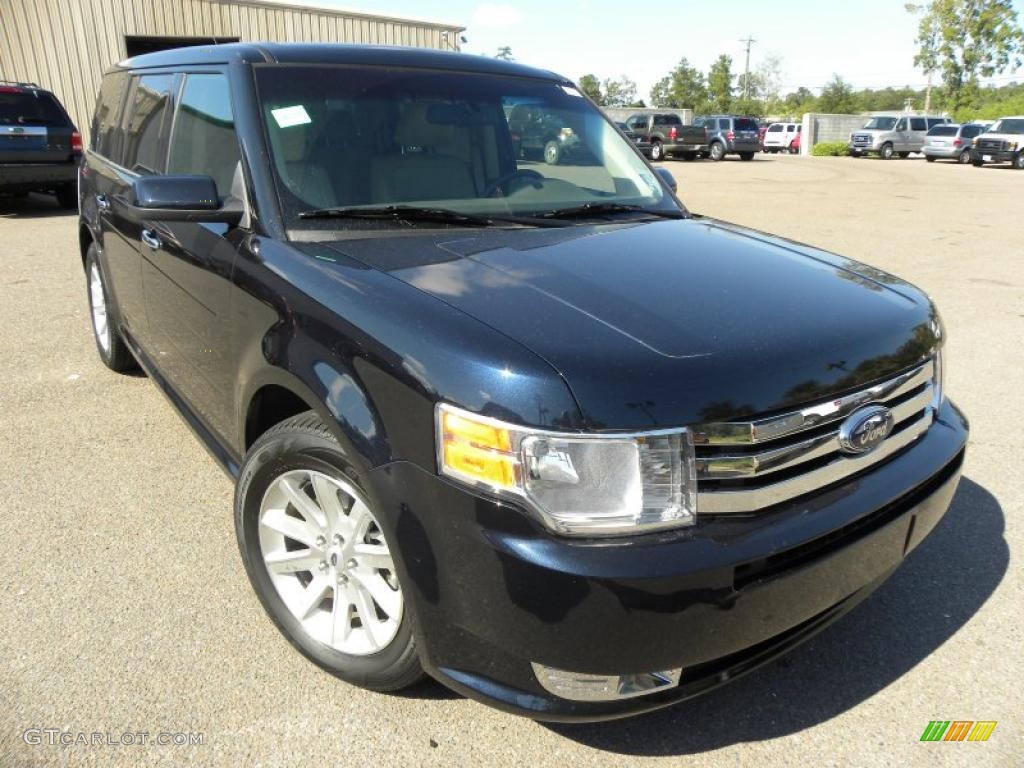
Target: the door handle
(150, 238)
(102, 203)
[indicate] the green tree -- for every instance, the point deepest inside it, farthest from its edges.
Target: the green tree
(682, 88)
(591, 86)
(620, 92)
(837, 97)
(720, 84)
(963, 40)
(505, 53)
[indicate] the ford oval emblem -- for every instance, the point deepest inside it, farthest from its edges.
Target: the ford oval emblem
(865, 429)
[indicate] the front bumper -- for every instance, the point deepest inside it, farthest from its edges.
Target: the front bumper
(994, 155)
(490, 593)
(29, 177)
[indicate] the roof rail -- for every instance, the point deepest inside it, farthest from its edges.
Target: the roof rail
(15, 82)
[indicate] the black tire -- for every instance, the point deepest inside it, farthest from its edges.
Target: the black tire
(977, 162)
(304, 442)
(746, 156)
(886, 151)
(964, 157)
(930, 158)
(67, 197)
(856, 153)
(657, 152)
(1018, 161)
(717, 151)
(115, 353)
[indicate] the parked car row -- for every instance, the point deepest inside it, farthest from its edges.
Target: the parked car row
(939, 138)
(782, 137)
(713, 136)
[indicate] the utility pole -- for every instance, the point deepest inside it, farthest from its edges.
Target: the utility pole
(749, 41)
(928, 95)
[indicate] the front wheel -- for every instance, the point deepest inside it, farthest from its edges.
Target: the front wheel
(886, 152)
(977, 162)
(657, 153)
(717, 151)
(319, 558)
(1018, 161)
(930, 158)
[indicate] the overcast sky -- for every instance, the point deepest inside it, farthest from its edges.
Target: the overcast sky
(870, 43)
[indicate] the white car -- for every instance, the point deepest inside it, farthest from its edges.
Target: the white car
(779, 137)
(1002, 143)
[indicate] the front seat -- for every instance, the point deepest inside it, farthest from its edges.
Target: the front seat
(425, 169)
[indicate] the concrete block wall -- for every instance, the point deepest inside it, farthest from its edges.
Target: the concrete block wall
(820, 127)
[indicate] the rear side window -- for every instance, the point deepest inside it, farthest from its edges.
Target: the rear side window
(918, 124)
(106, 121)
(937, 121)
(203, 140)
(970, 131)
(724, 124)
(19, 106)
(776, 128)
(746, 124)
(146, 124)
(943, 130)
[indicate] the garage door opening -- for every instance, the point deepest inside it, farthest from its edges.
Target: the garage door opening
(136, 46)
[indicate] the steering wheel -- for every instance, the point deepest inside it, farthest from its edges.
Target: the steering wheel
(499, 184)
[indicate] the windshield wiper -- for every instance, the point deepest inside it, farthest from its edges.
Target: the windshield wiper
(597, 209)
(400, 213)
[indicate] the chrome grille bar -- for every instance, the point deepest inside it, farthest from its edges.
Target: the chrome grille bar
(746, 501)
(788, 456)
(763, 430)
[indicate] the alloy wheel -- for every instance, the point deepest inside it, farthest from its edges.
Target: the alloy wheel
(98, 304)
(327, 558)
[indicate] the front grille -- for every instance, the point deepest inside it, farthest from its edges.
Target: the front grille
(862, 139)
(996, 144)
(745, 467)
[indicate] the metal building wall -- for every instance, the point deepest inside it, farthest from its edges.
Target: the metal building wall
(66, 45)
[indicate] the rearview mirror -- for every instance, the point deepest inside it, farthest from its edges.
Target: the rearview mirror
(668, 178)
(181, 198)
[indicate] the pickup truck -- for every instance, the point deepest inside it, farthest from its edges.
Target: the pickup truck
(667, 134)
(534, 430)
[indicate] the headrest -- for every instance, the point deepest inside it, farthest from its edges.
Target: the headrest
(423, 124)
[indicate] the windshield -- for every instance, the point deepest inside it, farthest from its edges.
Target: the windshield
(1008, 125)
(18, 107)
(881, 123)
(481, 145)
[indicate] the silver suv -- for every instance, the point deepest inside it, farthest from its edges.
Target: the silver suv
(888, 135)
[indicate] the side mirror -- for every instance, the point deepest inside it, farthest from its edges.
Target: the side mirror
(181, 198)
(668, 178)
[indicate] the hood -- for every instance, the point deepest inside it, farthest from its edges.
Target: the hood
(673, 322)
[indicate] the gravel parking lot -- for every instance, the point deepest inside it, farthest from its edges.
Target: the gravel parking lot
(124, 606)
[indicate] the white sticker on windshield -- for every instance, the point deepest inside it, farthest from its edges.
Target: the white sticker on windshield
(286, 117)
(572, 91)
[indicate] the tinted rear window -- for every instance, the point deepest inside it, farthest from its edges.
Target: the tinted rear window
(943, 130)
(30, 108)
(106, 122)
(746, 124)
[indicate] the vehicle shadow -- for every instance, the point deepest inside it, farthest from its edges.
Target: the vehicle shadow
(32, 206)
(935, 592)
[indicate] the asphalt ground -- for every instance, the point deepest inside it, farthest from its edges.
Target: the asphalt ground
(124, 608)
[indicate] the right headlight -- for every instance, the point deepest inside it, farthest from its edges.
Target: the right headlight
(575, 484)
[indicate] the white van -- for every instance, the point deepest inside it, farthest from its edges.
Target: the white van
(779, 137)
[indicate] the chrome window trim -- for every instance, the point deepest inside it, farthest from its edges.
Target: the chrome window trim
(763, 430)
